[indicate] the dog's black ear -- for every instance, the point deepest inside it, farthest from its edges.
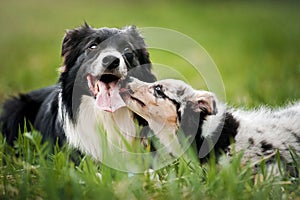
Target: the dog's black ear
(71, 44)
(145, 64)
(203, 102)
(142, 72)
(143, 55)
(141, 48)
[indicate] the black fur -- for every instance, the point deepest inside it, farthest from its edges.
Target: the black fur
(40, 108)
(266, 147)
(226, 131)
(191, 123)
(30, 110)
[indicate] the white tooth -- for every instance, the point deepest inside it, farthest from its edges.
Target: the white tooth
(96, 88)
(90, 82)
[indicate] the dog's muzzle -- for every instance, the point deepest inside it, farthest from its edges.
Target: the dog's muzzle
(104, 86)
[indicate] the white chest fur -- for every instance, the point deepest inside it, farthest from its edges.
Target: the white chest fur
(85, 133)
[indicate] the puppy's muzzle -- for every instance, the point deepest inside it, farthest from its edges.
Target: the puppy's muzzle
(124, 83)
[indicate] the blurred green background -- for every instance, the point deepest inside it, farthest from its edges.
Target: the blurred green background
(256, 45)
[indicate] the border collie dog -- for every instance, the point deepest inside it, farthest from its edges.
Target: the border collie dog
(86, 95)
(172, 105)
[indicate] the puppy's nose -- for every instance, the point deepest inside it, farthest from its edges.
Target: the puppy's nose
(124, 82)
(110, 62)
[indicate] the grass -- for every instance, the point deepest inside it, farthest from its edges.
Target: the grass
(38, 173)
(254, 44)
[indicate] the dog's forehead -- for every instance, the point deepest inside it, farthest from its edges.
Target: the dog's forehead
(108, 34)
(176, 88)
(115, 37)
(173, 84)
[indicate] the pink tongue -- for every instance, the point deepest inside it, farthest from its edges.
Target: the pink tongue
(108, 98)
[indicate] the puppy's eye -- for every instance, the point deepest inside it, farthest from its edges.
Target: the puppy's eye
(93, 46)
(158, 92)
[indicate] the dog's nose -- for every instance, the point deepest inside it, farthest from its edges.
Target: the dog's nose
(110, 62)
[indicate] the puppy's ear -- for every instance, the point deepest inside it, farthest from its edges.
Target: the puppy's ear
(204, 102)
(71, 44)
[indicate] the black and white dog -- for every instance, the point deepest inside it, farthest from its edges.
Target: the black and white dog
(172, 105)
(86, 95)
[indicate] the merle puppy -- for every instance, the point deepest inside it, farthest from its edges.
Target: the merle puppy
(86, 96)
(172, 105)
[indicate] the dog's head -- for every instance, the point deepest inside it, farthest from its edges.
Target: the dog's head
(95, 59)
(169, 102)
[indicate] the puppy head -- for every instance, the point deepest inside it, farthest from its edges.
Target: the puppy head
(166, 101)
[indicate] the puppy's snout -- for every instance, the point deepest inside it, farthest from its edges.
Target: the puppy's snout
(110, 62)
(125, 88)
(125, 81)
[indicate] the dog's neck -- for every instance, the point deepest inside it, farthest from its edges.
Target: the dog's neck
(167, 135)
(212, 131)
(211, 124)
(216, 132)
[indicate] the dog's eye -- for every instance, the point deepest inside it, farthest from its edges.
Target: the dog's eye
(127, 52)
(93, 46)
(158, 92)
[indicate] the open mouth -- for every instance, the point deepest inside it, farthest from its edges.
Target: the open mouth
(138, 101)
(127, 94)
(108, 78)
(106, 91)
